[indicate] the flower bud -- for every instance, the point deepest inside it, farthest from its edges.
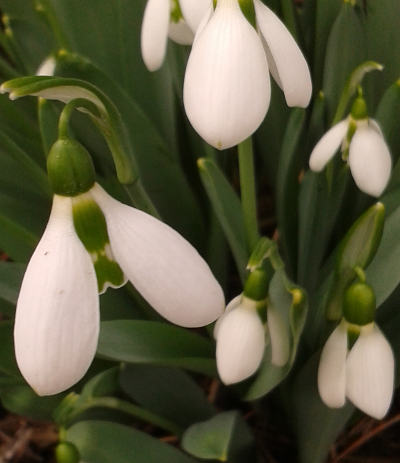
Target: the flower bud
(67, 453)
(70, 168)
(359, 304)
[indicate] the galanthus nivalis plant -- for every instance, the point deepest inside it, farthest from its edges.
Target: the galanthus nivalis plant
(357, 361)
(362, 145)
(227, 86)
(115, 265)
(176, 19)
(89, 233)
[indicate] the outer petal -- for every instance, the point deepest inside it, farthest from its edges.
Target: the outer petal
(370, 373)
(193, 11)
(279, 337)
(240, 345)
(289, 62)
(232, 305)
(332, 368)
(154, 33)
(180, 33)
(226, 88)
(57, 318)
(369, 160)
(47, 67)
(167, 271)
(326, 148)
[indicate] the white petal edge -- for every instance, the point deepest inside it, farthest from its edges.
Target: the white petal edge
(232, 305)
(327, 146)
(226, 86)
(180, 33)
(57, 318)
(278, 333)
(332, 368)
(47, 67)
(240, 345)
(291, 66)
(154, 33)
(370, 161)
(165, 268)
(370, 373)
(194, 11)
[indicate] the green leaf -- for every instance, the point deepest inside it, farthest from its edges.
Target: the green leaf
(287, 188)
(356, 250)
(225, 437)
(8, 365)
(345, 51)
(145, 342)
(11, 275)
(228, 209)
(104, 442)
(291, 303)
(316, 425)
(166, 391)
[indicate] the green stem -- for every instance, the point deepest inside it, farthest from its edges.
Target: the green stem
(140, 198)
(66, 113)
(44, 7)
(131, 409)
(290, 17)
(248, 192)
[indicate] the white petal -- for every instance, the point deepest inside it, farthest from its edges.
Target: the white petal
(180, 33)
(154, 34)
(370, 373)
(240, 345)
(194, 10)
(226, 87)
(47, 67)
(332, 368)
(167, 271)
(232, 305)
(369, 160)
(290, 64)
(57, 318)
(326, 148)
(278, 333)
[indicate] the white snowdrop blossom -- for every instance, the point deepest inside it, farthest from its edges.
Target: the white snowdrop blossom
(364, 374)
(368, 154)
(176, 19)
(47, 67)
(242, 336)
(57, 315)
(227, 84)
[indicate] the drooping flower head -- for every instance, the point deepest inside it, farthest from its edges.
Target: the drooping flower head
(227, 84)
(176, 19)
(248, 324)
(363, 146)
(93, 241)
(357, 361)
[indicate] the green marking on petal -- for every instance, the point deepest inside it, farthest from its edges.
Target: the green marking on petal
(91, 228)
(176, 12)
(108, 273)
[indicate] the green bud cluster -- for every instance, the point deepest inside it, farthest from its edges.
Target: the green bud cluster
(70, 168)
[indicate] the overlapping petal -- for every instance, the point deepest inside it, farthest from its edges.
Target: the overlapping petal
(167, 271)
(327, 146)
(227, 87)
(180, 33)
(332, 368)
(370, 373)
(240, 345)
(278, 333)
(235, 302)
(293, 74)
(193, 11)
(369, 160)
(154, 34)
(57, 317)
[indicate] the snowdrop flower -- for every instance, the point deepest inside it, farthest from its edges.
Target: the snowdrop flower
(176, 19)
(362, 142)
(227, 84)
(47, 67)
(93, 241)
(362, 372)
(242, 336)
